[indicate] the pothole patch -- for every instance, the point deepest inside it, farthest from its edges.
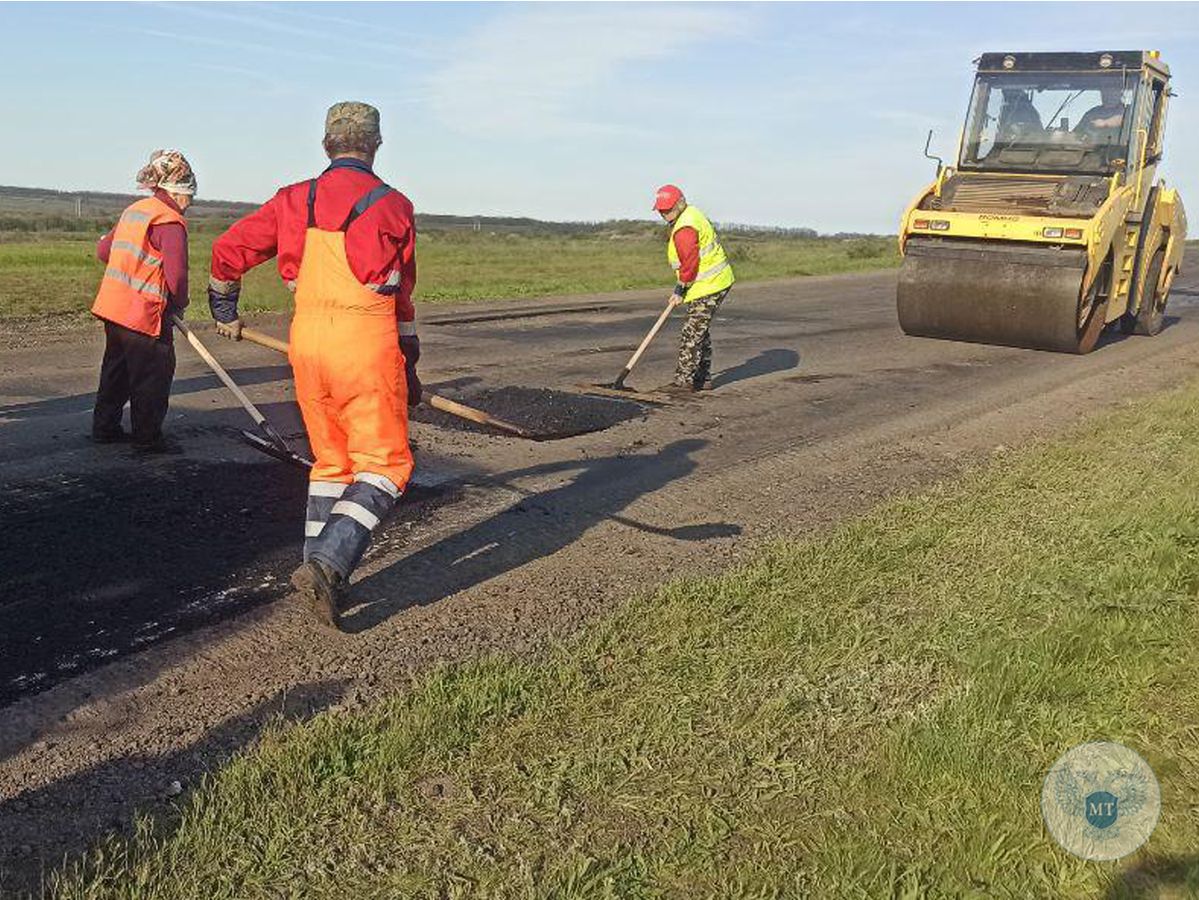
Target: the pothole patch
(548, 414)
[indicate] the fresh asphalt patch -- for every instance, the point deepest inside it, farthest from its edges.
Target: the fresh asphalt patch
(546, 413)
(97, 566)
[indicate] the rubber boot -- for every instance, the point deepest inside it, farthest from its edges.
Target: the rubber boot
(322, 589)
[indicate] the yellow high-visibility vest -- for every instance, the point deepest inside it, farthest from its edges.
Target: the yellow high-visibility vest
(715, 273)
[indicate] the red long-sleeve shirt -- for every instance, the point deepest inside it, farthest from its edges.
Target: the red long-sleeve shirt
(169, 239)
(380, 243)
(686, 245)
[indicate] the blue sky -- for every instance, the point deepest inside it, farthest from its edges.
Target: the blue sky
(785, 114)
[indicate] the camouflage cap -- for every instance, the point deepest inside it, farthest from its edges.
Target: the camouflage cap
(352, 120)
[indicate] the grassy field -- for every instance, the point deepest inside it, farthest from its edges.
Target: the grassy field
(867, 714)
(48, 275)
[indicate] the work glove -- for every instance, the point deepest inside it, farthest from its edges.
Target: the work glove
(222, 303)
(680, 291)
(410, 347)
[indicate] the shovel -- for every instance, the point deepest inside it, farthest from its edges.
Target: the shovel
(460, 410)
(617, 388)
(273, 443)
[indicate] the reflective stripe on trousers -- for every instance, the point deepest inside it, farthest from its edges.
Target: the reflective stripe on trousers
(322, 495)
(341, 518)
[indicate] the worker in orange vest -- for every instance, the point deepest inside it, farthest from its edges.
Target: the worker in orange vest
(345, 243)
(144, 284)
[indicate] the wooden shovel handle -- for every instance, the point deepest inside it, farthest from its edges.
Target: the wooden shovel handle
(452, 407)
(653, 332)
(463, 411)
(265, 340)
(220, 372)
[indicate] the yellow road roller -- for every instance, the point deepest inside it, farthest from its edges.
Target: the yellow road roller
(1053, 224)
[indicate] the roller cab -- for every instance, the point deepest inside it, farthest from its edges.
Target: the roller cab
(1052, 225)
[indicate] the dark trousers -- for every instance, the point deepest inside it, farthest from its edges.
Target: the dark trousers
(137, 369)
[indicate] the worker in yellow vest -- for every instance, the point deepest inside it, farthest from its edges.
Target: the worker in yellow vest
(704, 278)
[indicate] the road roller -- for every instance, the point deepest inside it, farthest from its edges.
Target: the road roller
(1053, 224)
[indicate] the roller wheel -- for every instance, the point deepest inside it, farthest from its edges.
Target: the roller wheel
(1152, 313)
(1092, 309)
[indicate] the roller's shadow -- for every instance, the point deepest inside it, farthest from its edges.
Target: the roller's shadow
(1113, 335)
(536, 526)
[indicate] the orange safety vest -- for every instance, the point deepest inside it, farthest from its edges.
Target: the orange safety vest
(133, 291)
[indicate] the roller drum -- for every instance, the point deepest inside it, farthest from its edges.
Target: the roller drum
(993, 293)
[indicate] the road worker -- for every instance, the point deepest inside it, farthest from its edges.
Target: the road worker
(144, 284)
(704, 277)
(345, 244)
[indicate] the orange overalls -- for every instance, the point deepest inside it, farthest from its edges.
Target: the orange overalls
(352, 391)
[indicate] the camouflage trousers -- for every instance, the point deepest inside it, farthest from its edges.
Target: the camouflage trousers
(695, 342)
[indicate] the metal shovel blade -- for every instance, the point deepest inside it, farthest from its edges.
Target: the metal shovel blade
(258, 442)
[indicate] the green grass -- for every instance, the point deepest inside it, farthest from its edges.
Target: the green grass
(40, 275)
(866, 714)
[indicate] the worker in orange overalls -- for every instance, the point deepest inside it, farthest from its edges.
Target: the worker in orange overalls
(144, 284)
(345, 243)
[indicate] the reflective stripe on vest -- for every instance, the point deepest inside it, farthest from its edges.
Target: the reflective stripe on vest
(708, 274)
(143, 255)
(133, 291)
(142, 287)
(715, 273)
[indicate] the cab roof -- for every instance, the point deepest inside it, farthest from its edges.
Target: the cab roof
(1072, 62)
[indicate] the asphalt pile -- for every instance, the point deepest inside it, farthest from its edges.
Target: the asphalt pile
(546, 413)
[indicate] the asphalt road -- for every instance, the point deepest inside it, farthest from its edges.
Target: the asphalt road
(105, 554)
(133, 591)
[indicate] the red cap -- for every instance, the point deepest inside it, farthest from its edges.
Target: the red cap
(668, 195)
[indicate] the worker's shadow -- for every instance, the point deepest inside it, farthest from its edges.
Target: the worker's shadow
(1157, 877)
(81, 403)
(765, 363)
(67, 815)
(536, 526)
